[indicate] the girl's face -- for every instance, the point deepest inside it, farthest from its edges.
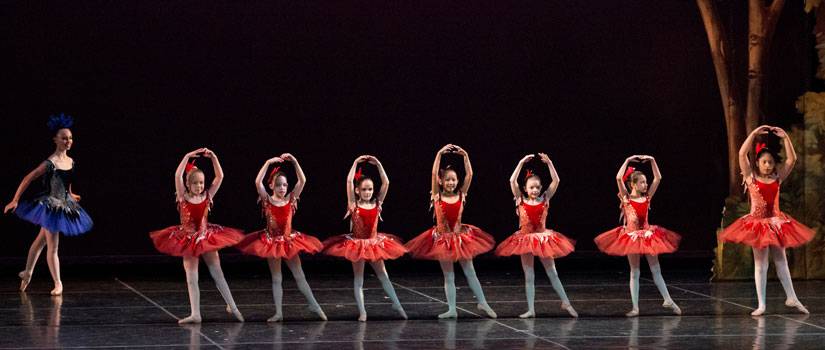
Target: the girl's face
(449, 181)
(63, 140)
(365, 190)
(279, 186)
(766, 164)
(195, 182)
(533, 187)
(640, 186)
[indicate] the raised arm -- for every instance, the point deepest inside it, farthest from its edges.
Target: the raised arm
(351, 181)
(514, 178)
(657, 176)
(385, 181)
(620, 175)
(180, 187)
(302, 179)
(216, 166)
(554, 176)
(468, 169)
(436, 168)
(790, 154)
(744, 163)
(24, 184)
(259, 179)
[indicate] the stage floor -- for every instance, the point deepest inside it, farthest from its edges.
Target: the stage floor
(141, 312)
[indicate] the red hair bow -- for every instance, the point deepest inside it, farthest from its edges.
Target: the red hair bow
(190, 166)
(273, 172)
(358, 175)
(528, 174)
(627, 173)
(760, 146)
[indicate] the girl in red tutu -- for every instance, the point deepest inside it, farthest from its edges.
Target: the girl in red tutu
(365, 243)
(450, 240)
(766, 229)
(637, 237)
(195, 237)
(533, 239)
(279, 241)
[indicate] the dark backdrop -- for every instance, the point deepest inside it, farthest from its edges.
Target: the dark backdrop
(589, 83)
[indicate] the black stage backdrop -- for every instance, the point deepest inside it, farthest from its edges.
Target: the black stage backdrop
(589, 83)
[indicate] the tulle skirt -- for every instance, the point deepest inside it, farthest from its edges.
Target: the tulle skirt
(654, 240)
(279, 246)
(451, 246)
(73, 222)
(180, 241)
(547, 244)
(781, 231)
(383, 246)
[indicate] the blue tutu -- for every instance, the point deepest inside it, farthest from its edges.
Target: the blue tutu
(55, 209)
(70, 222)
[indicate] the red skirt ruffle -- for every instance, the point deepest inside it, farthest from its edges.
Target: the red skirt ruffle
(451, 246)
(177, 241)
(279, 246)
(383, 246)
(547, 244)
(653, 241)
(781, 231)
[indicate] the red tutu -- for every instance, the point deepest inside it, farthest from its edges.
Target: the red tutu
(547, 244)
(451, 246)
(761, 228)
(381, 247)
(780, 231)
(262, 244)
(651, 241)
(180, 241)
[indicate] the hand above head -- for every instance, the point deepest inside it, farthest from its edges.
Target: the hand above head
(372, 160)
(287, 157)
(196, 153)
(527, 158)
(208, 153)
(762, 130)
(545, 158)
(779, 132)
(460, 151)
(275, 160)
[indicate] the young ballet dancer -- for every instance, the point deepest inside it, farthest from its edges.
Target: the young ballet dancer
(279, 241)
(637, 237)
(534, 239)
(767, 229)
(450, 240)
(195, 237)
(55, 209)
(365, 243)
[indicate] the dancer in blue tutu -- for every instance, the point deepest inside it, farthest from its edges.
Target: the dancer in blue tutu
(55, 209)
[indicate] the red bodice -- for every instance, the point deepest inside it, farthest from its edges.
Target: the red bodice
(278, 218)
(365, 222)
(532, 218)
(448, 215)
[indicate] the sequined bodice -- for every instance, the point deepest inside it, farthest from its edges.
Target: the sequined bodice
(635, 214)
(532, 218)
(278, 218)
(448, 215)
(56, 181)
(364, 222)
(193, 216)
(764, 198)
